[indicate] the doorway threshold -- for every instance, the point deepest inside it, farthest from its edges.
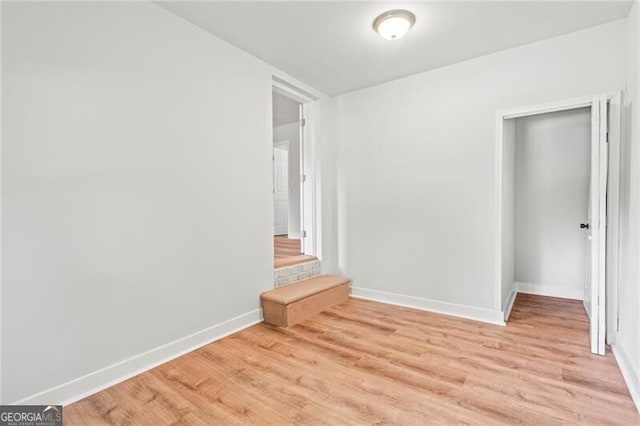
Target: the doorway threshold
(282, 262)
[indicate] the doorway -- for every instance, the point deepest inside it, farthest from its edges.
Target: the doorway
(551, 201)
(558, 167)
(290, 203)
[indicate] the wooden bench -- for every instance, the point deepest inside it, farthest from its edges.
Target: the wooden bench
(290, 304)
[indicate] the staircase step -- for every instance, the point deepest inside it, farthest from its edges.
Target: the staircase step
(290, 304)
(283, 262)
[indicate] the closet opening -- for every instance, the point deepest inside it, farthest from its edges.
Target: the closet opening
(557, 204)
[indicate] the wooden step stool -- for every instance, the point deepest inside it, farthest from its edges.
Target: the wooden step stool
(290, 304)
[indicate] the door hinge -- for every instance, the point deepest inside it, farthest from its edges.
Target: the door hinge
(303, 122)
(303, 178)
(607, 137)
(618, 323)
(304, 234)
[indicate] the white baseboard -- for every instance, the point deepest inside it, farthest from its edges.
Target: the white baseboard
(468, 312)
(630, 374)
(510, 302)
(551, 291)
(103, 378)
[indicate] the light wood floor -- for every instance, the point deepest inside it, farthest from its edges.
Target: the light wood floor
(363, 362)
(283, 246)
(287, 252)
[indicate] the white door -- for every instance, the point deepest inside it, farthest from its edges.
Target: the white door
(594, 296)
(280, 191)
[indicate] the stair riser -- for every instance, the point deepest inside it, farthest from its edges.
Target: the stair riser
(291, 274)
(293, 313)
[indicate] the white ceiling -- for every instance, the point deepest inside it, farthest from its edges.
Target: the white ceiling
(332, 47)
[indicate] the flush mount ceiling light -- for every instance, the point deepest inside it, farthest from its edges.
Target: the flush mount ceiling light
(394, 24)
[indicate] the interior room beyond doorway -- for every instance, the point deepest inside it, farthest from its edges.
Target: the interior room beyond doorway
(552, 163)
(287, 160)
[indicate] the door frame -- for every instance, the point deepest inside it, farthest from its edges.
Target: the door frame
(308, 193)
(611, 289)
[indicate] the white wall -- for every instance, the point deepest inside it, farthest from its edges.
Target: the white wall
(291, 132)
(326, 158)
(508, 209)
(134, 192)
(417, 169)
(627, 343)
(552, 197)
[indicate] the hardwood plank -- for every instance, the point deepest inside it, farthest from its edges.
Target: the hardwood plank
(284, 261)
(286, 247)
(363, 362)
(288, 252)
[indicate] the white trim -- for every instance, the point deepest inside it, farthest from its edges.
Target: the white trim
(305, 248)
(290, 90)
(497, 224)
(462, 311)
(555, 106)
(603, 170)
(630, 374)
(510, 301)
(103, 378)
(308, 200)
(551, 291)
(613, 218)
